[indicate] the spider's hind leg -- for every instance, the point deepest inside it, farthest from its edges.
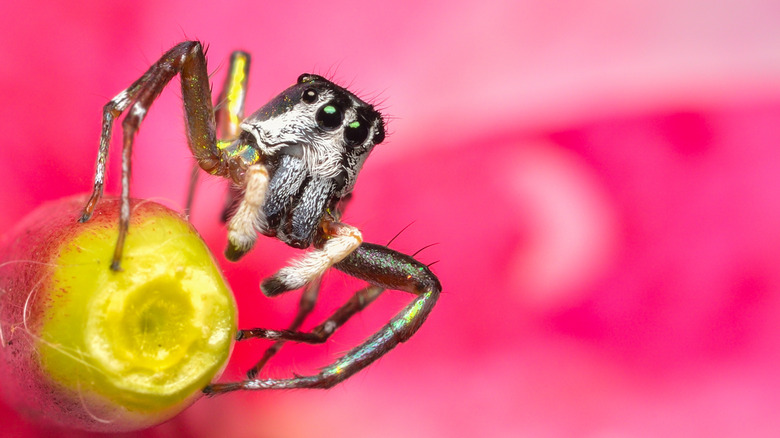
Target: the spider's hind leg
(384, 268)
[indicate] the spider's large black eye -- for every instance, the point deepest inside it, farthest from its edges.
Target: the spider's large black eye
(356, 132)
(309, 95)
(329, 117)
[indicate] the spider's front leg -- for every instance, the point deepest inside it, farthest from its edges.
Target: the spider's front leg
(188, 60)
(385, 269)
(229, 112)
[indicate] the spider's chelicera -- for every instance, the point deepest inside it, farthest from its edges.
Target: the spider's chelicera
(293, 164)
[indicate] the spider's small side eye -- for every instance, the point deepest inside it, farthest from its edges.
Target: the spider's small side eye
(356, 132)
(329, 117)
(309, 95)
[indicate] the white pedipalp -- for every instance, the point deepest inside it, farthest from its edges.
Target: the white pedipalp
(313, 264)
(249, 219)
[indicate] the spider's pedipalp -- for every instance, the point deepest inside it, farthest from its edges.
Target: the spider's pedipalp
(248, 219)
(342, 240)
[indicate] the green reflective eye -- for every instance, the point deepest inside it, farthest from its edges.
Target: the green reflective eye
(329, 117)
(356, 133)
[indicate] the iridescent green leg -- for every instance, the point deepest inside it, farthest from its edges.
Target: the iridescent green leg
(229, 112)
(384, 268)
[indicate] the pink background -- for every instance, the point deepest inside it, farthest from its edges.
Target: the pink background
(601, 179)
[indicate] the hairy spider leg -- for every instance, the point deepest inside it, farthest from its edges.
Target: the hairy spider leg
(229, 112)
(385, 269)
(188, 60)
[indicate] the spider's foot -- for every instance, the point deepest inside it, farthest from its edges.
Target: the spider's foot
(220, 388)
(234, 253)
(89, 208)
(272, 286)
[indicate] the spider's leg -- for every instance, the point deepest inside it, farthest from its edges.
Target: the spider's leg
(359, 301)
(229, 112)
(231, 202)
(305, 306)
(194, 174)
(384, 268)
(111, 111)
(230, 104)
(188, 60)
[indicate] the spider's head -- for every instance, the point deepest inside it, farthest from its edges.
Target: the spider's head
(313, 139)
(330, 128)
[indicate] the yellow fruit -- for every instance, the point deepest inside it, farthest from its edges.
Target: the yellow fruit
(87, 347)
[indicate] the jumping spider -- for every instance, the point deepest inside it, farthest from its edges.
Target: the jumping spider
(290, 162)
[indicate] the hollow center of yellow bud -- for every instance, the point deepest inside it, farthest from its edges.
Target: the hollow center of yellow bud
(153, 331)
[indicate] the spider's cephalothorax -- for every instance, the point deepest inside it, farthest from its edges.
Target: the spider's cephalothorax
(313, 139)
(290, 162)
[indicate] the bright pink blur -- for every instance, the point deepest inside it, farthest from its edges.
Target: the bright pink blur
(602, 179)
